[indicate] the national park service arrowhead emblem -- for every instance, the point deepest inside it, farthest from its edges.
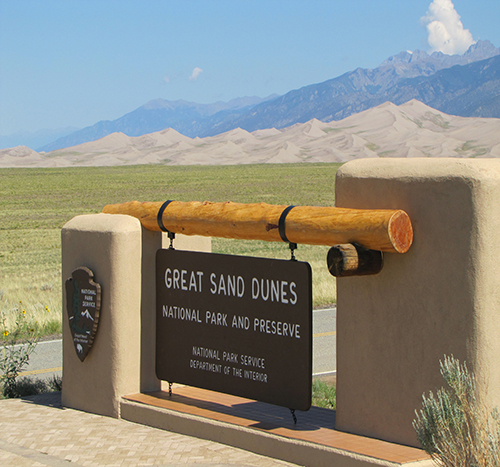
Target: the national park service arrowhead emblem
(83, 303)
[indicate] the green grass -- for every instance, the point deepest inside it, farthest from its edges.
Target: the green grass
(416, 121)
(372, 146)
(36, 203)
(438, 120)
(473, 150)
(329, 130)
(324, 394)
(386, 153)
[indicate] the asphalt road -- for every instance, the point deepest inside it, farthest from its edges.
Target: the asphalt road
(47, 358)
(324, 341)
(45, 361)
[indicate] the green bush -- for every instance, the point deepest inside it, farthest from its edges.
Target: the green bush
(17, 343)
(454, 426)
(324, 394)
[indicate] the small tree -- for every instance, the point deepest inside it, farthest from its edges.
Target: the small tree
(17, 343)
(454, 427)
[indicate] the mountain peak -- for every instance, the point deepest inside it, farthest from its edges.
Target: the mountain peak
(481, 50)
(406, 57)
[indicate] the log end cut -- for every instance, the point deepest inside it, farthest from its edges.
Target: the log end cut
(400, 231)
(353, 260)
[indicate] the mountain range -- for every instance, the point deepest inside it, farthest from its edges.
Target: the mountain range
(464, 85)
(409, 130)
(35, 139)
(157, 115)
(428, 78)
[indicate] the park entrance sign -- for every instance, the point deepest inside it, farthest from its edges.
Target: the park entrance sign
(235, 324)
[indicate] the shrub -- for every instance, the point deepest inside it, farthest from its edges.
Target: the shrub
(17, 344)
(454, 426)
(324, 394)
(32, 387)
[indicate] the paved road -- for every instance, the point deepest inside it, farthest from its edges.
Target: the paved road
(324, 341)
(47, 358)
(45, 361)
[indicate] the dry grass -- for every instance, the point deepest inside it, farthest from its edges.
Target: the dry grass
(36, 203)
(30, 272)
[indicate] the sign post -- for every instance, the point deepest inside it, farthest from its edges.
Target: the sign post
(235, 324)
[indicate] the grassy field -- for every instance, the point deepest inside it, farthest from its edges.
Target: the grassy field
(36, 203)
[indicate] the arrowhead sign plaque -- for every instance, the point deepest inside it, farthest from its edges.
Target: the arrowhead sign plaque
(83, 304)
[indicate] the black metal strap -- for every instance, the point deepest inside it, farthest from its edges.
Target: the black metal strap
(159, 217)
(281, 223)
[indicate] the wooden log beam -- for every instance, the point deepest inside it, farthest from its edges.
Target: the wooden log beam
(377, 229)
(353, 260)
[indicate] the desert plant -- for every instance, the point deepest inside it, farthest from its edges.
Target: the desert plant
(55, 384)
(16, 346)
(32, 387)
(324, 394)
(454, 426)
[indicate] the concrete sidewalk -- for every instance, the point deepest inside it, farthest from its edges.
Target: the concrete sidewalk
(37, 431)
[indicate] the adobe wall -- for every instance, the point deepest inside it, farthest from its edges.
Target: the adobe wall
(121, 254)
(442, 297)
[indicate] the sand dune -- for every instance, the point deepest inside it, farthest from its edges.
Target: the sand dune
(409, 130)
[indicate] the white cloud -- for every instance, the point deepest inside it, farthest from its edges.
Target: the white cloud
(166, 79)
(446, 31)
(194, 75)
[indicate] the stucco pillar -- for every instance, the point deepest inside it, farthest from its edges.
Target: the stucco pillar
(110, 246)
(442, 297)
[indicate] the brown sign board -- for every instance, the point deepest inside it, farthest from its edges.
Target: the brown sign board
(237, 325)
(83, 305)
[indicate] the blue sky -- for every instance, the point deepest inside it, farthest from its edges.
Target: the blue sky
(75, 62)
